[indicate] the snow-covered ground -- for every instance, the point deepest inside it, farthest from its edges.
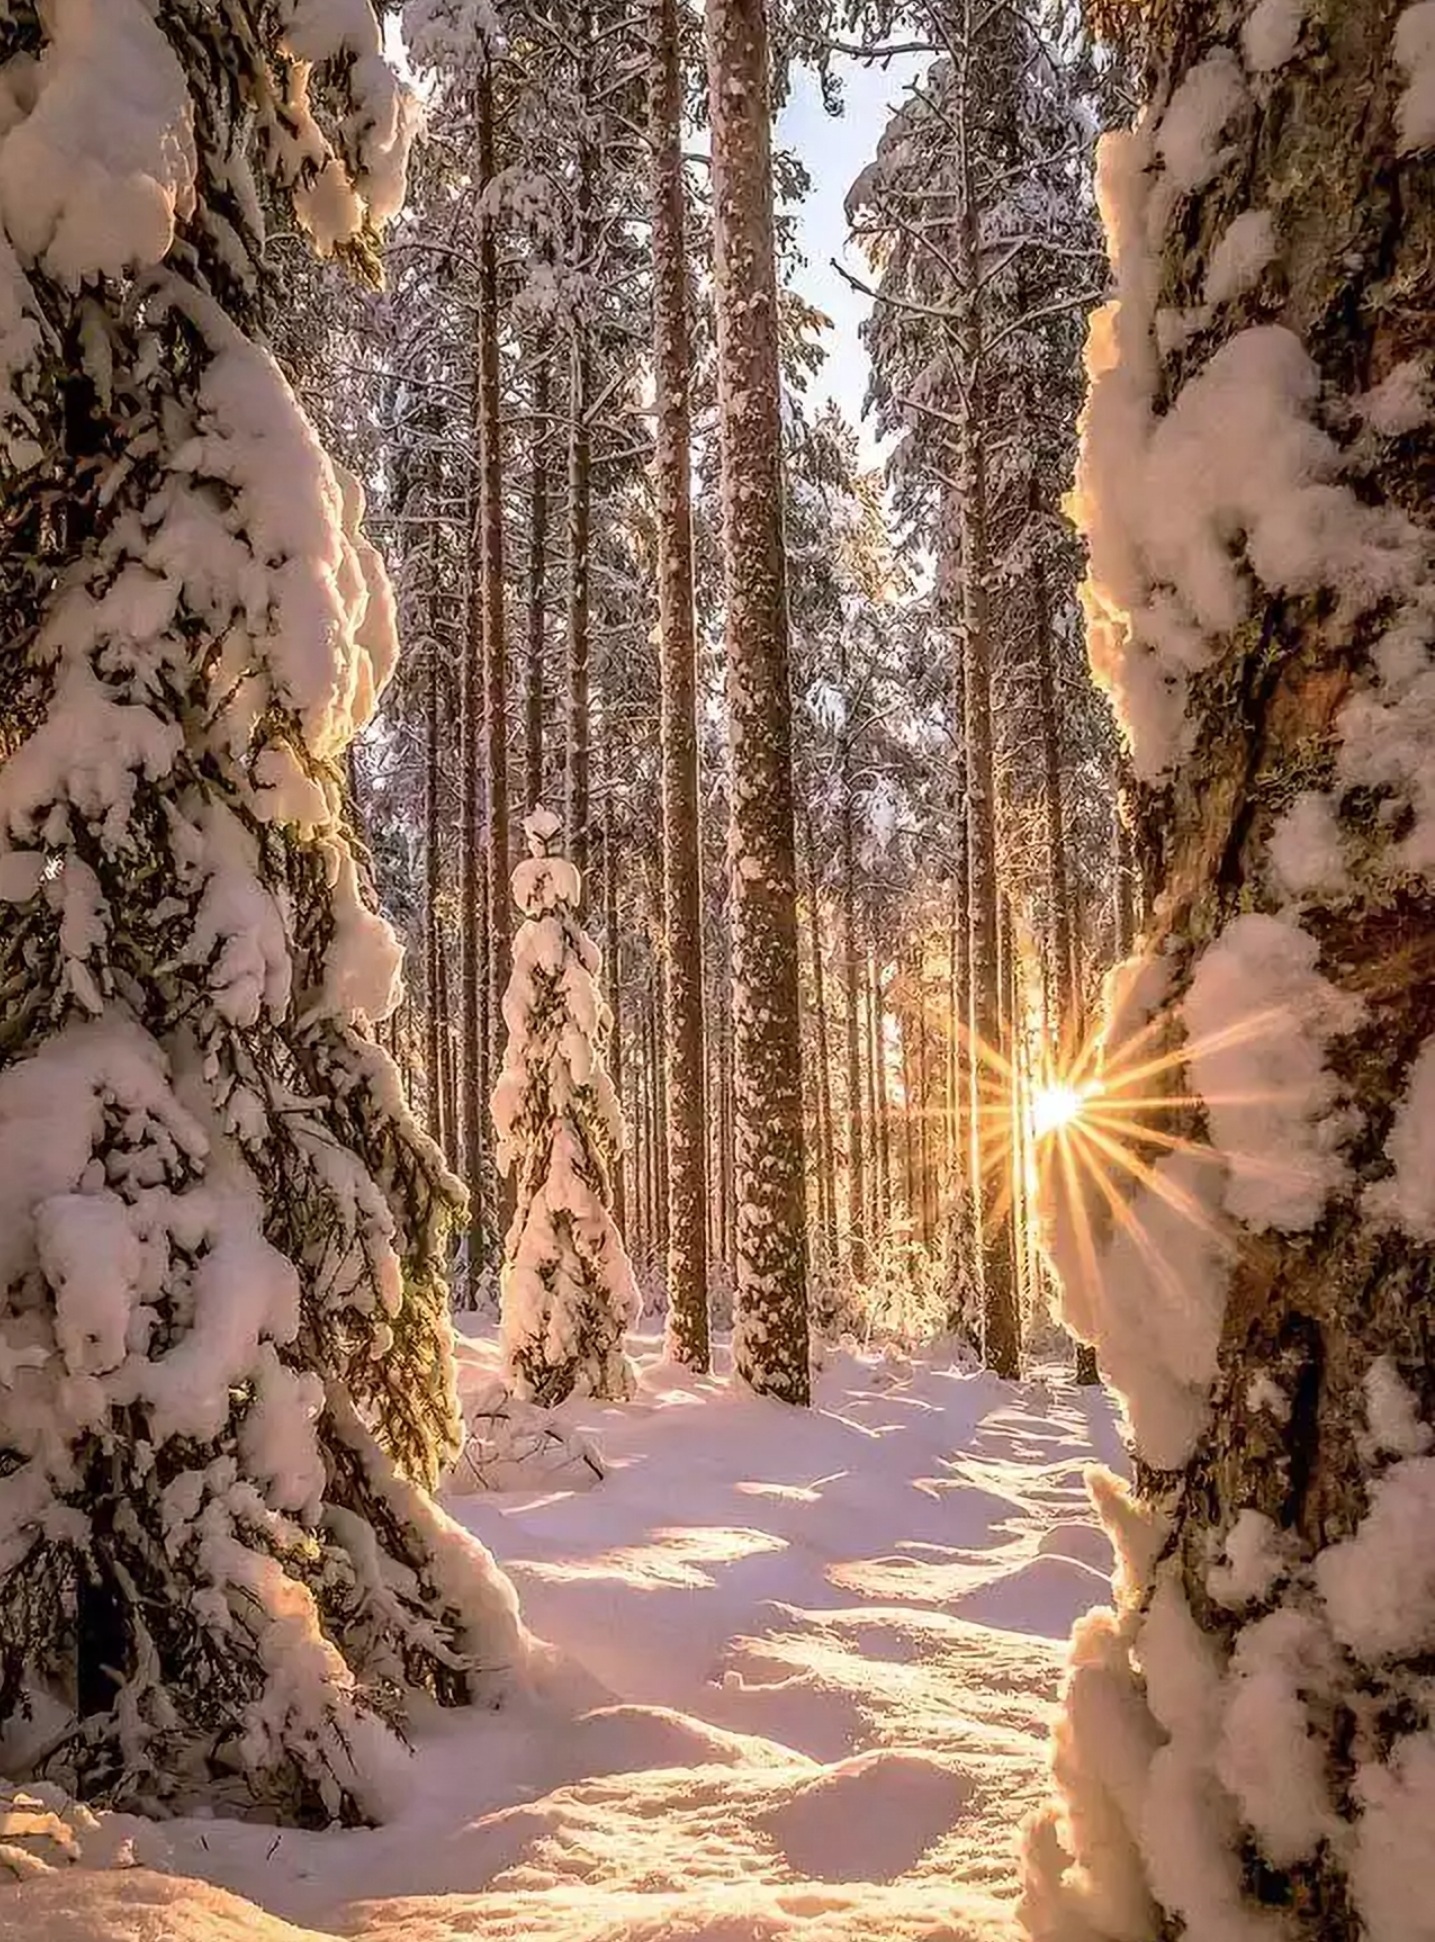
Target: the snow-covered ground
(804, 1671)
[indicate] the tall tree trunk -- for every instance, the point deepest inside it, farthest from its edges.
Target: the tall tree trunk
(926, 1194)
(1270, 1655)
(999, 1318)
(770, 1329)
(726, 1116)
(959, 1049)
(434, 1020)
(473, 1101)
(1063, 942)
(495, 645)
(534, 699)
(857, 1229)
(613, 963)
(881, 1097)
(448, 1062)
(580, 480)
(686, 1142)
(909, 1119)
(826, 1159)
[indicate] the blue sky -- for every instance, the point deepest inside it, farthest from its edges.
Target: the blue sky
(835, 152)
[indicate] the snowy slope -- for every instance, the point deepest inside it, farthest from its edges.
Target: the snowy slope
(802, 1685)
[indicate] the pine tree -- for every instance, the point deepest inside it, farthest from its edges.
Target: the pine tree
(1248, 1741)
(568, 1292)
(223, 1315)
(770, 1343)
(682, 955)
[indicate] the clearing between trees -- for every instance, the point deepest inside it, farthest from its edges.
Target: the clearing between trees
(801, 1683)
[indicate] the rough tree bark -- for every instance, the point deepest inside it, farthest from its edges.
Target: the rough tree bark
(1287, 824)
(686, 1143)
(770, 1339)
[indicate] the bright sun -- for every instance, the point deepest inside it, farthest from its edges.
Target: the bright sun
(1055, 1106)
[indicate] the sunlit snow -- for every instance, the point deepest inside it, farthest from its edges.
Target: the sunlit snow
(802, 1678)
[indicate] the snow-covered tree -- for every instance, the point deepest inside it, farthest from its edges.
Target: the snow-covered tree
(567, 1287)
(225, 1365)
(1247, 1748)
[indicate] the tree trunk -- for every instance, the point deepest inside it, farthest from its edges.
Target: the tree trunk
(686, 1140)
(473, 1101)
(728, 1244)
(613, 956)
(872, 1201)
(857, 1228)
(537, 584)
(770, 1329)
(495, 645)
(434, 1022)
(448, 1062)
(826, 1157)
(999, 1319)
(880, 1097)
(1270, 1658)
(580, 485)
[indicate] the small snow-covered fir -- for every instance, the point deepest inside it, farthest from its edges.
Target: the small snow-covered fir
(568, 1292)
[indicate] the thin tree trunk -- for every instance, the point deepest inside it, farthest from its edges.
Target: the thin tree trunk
(685, 1091)
(909, 1129)
(770, 1334)
(857, 1227)
(727, 1243)
(881, 1097)
(473, 1103)
(580, 482)
(495, 647)
(433, 885)
(448, 1062)
(826, 1161)
(613, 960)
(1063, 941)
(534, 699)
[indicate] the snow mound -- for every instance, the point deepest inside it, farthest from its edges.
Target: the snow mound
(137, 1906)
(1086, 1544)
(871, 1818)
(1045, 1596)
(511, 1444)
(638, 1739)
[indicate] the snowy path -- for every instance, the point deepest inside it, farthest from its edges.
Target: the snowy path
(820, 1652)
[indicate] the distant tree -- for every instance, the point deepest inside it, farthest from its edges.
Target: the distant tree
(1247, 1745)
(227, 1368)
(568, 1295)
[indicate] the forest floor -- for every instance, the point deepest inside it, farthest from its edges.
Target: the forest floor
(807, 1663)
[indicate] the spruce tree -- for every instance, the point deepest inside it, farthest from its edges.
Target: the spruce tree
(568, 1292)
(225, 1361)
